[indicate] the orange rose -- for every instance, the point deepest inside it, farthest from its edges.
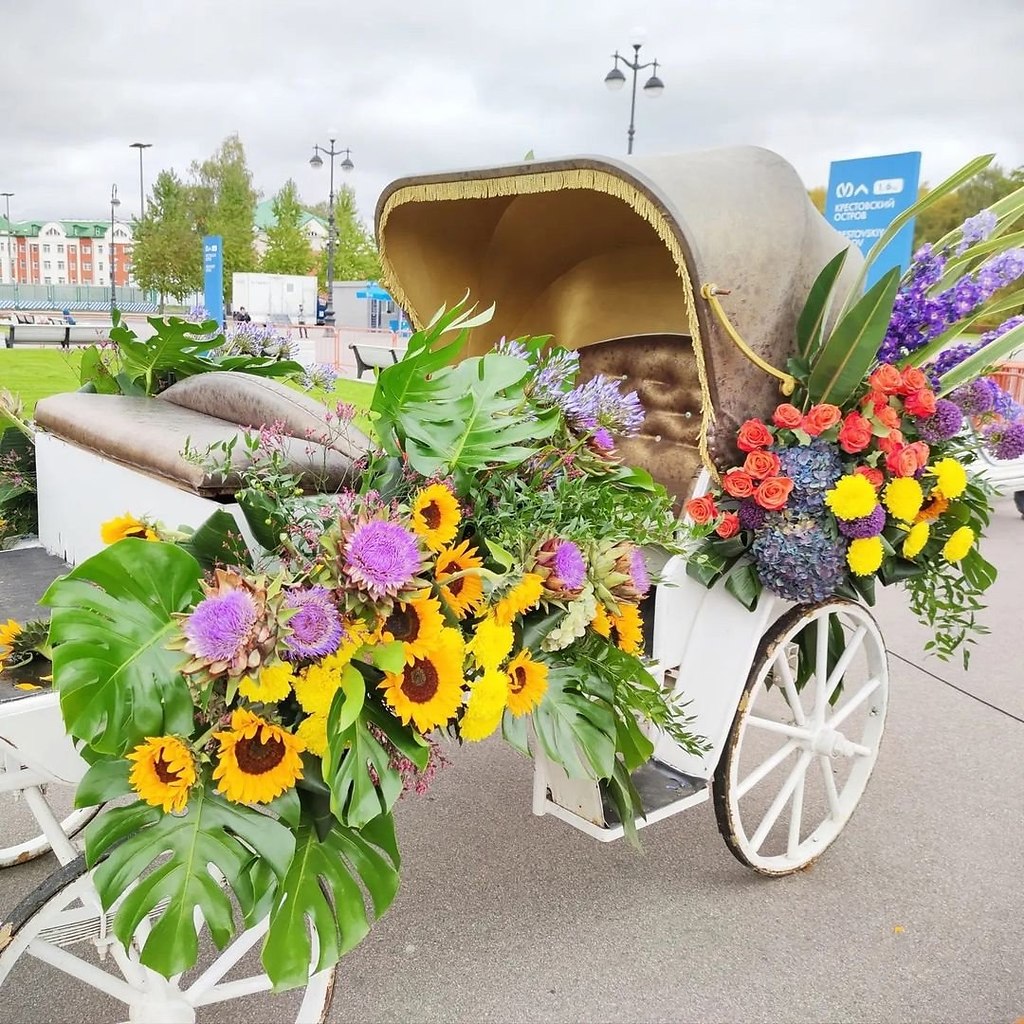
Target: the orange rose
(762, 464)
(921, 452)
(773, 493)
(886, 379)
(702, 510)
(753, 435)
(891, 443)
(902, 462)
(912, 380)
(888, 417)
(855, 434)
(738, 483)
(875, 399)
(787, 416)
(874, 476)
(820, 417)
(729, 526)
(920, 403)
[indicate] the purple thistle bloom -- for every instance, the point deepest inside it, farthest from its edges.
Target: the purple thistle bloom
(752, 516)
(867, 526)
(316, 627)
(977, 397)
(220, 625)
(382, 557)
(570, 566)
(600, 403)
(943, 424)
(1005, 440)
(638, 573)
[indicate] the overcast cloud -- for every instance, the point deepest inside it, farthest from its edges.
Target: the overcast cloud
(414, 87)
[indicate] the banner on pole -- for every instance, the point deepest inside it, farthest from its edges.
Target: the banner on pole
(213, 276)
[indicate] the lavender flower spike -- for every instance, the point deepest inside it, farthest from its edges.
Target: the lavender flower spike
(977, 229)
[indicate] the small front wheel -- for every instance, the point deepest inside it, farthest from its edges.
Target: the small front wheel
(805, 737)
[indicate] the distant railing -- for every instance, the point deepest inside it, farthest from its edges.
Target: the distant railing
(84, 298)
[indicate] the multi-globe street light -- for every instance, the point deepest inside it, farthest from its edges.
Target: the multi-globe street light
(114, 203)
(7, 221)
(316, 162)
(615, 80)
(140, 146)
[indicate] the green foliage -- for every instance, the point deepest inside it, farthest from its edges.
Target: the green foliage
(112, 617)
(17, 472)
(811, 323)
(980, 193)
(355, 255)
(167, 255)
(288, 248)
(218, 541)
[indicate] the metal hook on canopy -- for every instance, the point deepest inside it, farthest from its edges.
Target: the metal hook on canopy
(710, 292)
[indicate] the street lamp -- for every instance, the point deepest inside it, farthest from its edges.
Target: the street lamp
(316, 162)
(615, 80)
(140, 146)
(7, 222)
(114, 203)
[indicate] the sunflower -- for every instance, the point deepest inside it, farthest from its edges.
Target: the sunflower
(436, 516)
(274, 683)
(521, 598)
(313, 733)
(127, 525)
(163, 773)
(628, 629)
(466, 593)
(601, 623)
(486, 705)
(9, 631)
(491, 643)
(417, 624)
(933, 508)
(258, 760)
(428, 691)
(528, 682)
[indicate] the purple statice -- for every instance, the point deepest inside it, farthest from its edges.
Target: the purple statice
(943, 424)
(382, 557)
(638, 572)
(319, 377)
(555, 376)
(1004, 440)
(569, 565)
(976, 229)
(316, 629)
(813, 468)
(220, 625)
(600, 403)
(798, 560)
(867, 526)
(752, 516)
(516, 349)
(956, 354)
(976, 397)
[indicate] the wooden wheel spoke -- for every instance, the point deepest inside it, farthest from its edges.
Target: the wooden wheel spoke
(854, 702)
(820, 671)
(765, 768)
(789, 688)
(796, 815)
(208, 980)
(783, 728)
(831, 793)
(836, 678)
(780, 801)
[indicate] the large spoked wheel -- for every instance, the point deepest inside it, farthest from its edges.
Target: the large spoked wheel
(798, 757)
(60, 927)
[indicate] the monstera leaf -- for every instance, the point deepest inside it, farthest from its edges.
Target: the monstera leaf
(321, 888)
(177, 346)
(112, 617)
(211, 833)
(218, 541)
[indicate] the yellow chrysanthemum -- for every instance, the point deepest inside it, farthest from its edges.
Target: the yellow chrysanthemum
(528, 682)
(8, 633)
(258, 760)
(273, 684)
(491, 642)
(436, 516)
(316, 685)
(629, 629)
(120, 527)
(853, 497)
(601, 623)
(163, 772)
(864, 555)
(429, 690)
(417, 624)
(950, 476)
(958, 545)
(521, 598)
(903, 497)
(465, 594)
(487, 700)
(313, 733)
(917, 537)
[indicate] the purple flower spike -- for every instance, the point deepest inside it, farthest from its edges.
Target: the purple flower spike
(219, 626)
(638, 571)
(867, 526)
(570, 566)
(316, 626)
(382, 557)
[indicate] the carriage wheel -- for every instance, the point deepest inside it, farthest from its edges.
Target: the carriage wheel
(797, 759)
(60, 927)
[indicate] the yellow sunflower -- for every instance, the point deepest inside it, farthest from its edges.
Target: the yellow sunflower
(273, 684)
(521, 598)
(313, 733)
(466, 593)
(629, 629)
(436, 516)
(528, 682)
(491, 643)
(428, 691)
(163, 773)
(258, 760)
(486, 705)
(417, 624)
(932, 509)
(120, 527)
(601, 623)
(8, 634)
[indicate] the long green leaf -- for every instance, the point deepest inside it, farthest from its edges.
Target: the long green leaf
(957, 266)
(812, 318)
(218, 541)
(1007, 212)
(992, 308)
(989, 356)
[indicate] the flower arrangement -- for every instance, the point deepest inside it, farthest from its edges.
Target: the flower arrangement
(486, 575)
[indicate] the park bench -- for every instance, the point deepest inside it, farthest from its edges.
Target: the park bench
(52, 330)
(369, 357)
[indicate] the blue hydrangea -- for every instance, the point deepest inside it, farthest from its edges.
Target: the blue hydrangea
(813, 468)
(798, 560)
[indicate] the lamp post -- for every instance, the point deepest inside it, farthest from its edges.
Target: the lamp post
(316, 162)
(7, 222)
(114, 203)
(615, 80)
(140, 146)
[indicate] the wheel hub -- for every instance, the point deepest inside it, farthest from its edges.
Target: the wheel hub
(831, 743)
(162, 1004)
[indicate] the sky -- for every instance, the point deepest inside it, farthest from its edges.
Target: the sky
(442, 84)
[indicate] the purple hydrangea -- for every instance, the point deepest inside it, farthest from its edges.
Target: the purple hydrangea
(554, 377)
(382, 557)
(569, 565)
(1005, 440)
(751, 515)
(813, 468)
(316, 629)
(798, 560)
(600, 403)
(977, 397)
(638, 573)
(220, 625)
(943, 424)
(867, 526)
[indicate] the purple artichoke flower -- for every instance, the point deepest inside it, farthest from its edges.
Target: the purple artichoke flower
(316, 628)
(382, 557)
(221, 625)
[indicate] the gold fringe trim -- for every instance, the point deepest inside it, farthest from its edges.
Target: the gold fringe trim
(591, 179)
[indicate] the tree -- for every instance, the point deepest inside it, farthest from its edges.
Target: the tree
(167, 256)
(817, 196)
(288, 249)
(355, 255)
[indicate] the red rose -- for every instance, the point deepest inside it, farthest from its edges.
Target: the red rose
(753, 435)
(762, 464)
(920, 403)
(902, 462)
(787, 416)
(820, 417)
(886, 379)
(729, 526)
(738, 483)
(912, 380)
(773, 493)
(702, 510)
(888, 417)
(891, 443)
(875, 476)
(855, 434)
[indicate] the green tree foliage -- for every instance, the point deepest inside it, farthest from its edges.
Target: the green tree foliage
(288, 249)
(168, 255)
(355, 257)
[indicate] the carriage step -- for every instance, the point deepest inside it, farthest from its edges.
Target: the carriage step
(658, 785)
